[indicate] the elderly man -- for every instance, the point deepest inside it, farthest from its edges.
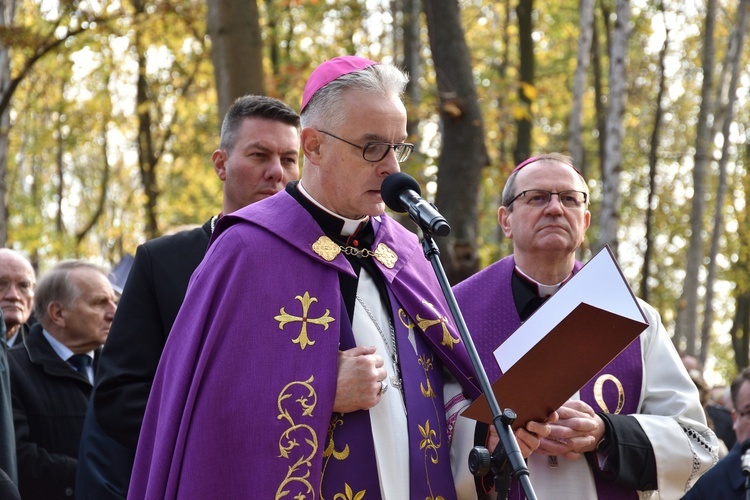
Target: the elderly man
(726, 480)
(645, 430)
(309, 358)
(52, 375)
(257, 156)
(17, 282)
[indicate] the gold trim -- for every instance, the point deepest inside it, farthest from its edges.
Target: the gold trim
(599, 393)
(326, 248)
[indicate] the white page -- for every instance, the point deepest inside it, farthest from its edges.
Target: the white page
(599, 283)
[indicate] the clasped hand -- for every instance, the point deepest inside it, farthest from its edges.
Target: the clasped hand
(360, 371)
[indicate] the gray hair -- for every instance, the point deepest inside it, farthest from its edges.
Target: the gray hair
(323, 110)
(254, 106)
(57, 287)
(509, 191)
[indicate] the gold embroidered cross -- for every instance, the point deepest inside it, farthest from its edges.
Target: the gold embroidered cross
(303, 339)
(424, 324)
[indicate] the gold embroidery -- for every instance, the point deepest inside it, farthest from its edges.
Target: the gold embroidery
(385, 255)
(326, 248)
(599, 393)
(405, 319)
(426, 363)
(349, 494)
(297, 436)
(424, 323)
(303, 339)
(428, 442)
(330, 450)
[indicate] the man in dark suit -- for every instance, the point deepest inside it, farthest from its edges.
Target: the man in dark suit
(8, 469)
(17, 282)
(725, 480)
(257, 157)
(52, 375)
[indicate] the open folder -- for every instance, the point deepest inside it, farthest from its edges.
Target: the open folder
(565, 343)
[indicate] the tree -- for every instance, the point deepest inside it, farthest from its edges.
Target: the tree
(612, 166)
(687, 314)
(579, 83)
(236, 50)
(463, 153)
(526, 89)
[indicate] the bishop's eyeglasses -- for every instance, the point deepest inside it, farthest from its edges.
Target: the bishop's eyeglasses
(376, 151)
(540, 198)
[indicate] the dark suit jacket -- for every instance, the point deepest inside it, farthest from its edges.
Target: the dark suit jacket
(152, 296)
(9, 476)
(724, 481)
(49, 403)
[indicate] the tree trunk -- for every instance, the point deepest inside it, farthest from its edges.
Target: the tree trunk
(463, 153)
(686, 324)
(526, 90)
(612, 166)
(7, 12)
(579, 82)
(652, 165)
(727, 100)
(412, 62)
(236, 50)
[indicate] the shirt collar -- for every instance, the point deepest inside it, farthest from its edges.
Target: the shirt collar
(60, 348)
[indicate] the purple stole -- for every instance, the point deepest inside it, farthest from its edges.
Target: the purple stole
(249, 370)
(486, 301)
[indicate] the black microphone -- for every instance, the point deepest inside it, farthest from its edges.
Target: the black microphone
(402, 194)
(745, 453)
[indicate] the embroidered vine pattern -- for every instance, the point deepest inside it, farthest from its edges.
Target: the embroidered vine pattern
(298, 440)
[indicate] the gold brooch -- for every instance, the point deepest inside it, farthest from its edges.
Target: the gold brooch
(326, 248)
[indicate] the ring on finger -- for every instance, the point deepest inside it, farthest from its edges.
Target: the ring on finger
(383, 387)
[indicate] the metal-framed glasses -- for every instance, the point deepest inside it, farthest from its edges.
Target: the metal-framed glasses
(376, 151)
(541, 198)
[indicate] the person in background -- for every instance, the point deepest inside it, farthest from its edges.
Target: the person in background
(645, 428)
(52, 375)
(17, 283)
(726, 481)
(257, 155)
(313, 356)
(8, 466)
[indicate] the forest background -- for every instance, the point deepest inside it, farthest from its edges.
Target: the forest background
(110, 110)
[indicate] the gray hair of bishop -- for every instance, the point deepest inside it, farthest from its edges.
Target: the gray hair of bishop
(57, 287)
(254, 106)
(380, 80)
(509, 191)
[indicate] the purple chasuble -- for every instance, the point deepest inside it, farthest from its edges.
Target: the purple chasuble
(241, 406)
(487, 304)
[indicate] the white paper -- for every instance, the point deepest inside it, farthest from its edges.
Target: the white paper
(599, 283)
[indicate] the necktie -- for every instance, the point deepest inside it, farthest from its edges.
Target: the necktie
(81, 362)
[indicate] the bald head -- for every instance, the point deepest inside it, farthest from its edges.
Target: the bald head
(17, 283)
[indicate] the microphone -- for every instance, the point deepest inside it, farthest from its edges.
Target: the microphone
(401, 193)
(745, 453)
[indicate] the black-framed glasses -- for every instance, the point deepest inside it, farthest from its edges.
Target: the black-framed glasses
(541, 198)
(376, 151)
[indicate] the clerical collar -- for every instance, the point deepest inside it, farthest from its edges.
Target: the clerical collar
(542, 290)
(348, 226)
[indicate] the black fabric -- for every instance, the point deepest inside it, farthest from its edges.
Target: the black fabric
(49, 404)
(362, 238)
(7, 436)
(81, 362)
(8, 489)
(525, 297)
(630, 459)
(149, 304)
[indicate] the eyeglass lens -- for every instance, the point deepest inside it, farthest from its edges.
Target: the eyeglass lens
(376, 151)
(540, 198)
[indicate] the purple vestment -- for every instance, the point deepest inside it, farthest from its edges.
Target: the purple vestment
(487, 304)
(241, 406)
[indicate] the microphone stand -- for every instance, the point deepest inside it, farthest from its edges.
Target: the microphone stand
(507, 458)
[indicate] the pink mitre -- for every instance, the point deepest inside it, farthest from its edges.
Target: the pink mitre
(329, 70)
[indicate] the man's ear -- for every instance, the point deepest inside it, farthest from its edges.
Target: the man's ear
(219, 159)
(311, 144)
(503, 218)
(55, 314)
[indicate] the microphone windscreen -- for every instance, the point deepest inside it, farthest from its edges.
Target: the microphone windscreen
(392, 187)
